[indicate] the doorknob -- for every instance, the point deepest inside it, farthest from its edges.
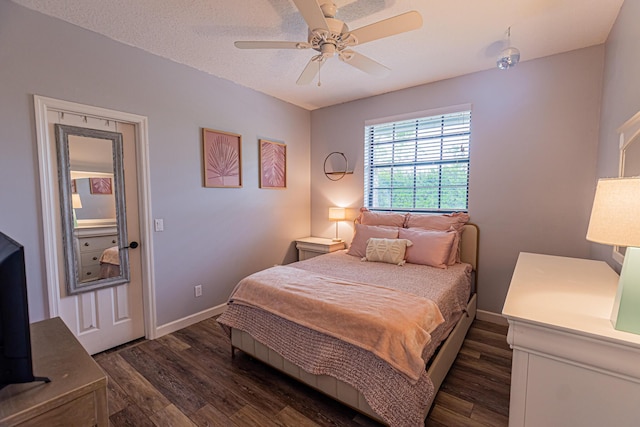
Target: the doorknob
(132, 245)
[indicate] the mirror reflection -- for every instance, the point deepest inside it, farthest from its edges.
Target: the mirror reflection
(92, 208)
(629, 166)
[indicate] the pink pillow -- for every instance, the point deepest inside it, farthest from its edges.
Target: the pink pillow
(431, 248)
(441, 222)
(365, 232)
(391, 219)
(437, 222)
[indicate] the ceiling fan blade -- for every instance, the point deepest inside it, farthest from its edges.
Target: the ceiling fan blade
(387, 27)
(310, 71)
(271, 45)
(312, 14)
(364, 63)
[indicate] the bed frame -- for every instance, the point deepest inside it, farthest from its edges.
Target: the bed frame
(343, 392)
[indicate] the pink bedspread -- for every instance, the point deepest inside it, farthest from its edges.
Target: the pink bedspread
(393, 325)
(449, 288)
(396, 398)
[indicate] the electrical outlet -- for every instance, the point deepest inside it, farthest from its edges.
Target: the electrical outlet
(198, 290)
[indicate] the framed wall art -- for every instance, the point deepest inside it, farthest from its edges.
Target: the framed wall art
(222, 158)
(273, 164)
(100, 186)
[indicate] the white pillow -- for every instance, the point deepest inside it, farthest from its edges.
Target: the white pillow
(386, 250)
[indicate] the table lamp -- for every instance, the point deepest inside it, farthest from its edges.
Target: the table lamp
(337, 214)
(76, 203)
(615, 220)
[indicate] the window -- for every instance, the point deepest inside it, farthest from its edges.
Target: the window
(419, 164)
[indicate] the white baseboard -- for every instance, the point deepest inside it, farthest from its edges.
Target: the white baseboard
(489, 316)
(189, 320)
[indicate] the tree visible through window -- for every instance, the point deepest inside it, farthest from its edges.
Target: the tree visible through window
(419, 164)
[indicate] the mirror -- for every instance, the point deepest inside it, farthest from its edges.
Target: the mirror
(629, 161)
(92, 202)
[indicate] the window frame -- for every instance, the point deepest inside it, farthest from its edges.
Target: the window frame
(419, 142)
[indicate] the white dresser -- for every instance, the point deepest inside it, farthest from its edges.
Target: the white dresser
(92, 241)
(570, 367)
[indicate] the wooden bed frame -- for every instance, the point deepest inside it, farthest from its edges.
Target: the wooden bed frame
(437, 370)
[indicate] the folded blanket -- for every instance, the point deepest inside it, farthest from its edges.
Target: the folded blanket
(393, 325)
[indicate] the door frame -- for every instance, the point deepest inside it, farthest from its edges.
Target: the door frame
(50, 216)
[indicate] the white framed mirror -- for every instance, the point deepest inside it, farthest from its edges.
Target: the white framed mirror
(629, 161)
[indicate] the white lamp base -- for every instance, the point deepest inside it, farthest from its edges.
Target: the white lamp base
(626, 307)
(336, 239)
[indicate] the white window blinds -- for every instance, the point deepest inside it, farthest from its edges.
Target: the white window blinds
(419, 164)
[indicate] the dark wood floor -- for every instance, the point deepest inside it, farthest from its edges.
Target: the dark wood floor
(188, 378)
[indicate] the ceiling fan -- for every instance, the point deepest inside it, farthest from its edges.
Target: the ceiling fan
(331, 36)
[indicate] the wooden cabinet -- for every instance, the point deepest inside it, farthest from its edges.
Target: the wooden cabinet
(308, 247)
(91, 243)
(77, 393)
(570, 366)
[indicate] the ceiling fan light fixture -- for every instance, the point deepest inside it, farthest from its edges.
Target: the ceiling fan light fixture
(331, 37)
(510, 56)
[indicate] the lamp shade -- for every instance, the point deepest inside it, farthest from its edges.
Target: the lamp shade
(337, 214)
(615, 217)
(75, 201)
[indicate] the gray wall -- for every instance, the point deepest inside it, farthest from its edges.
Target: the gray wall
(533, 157)
(620, 97)
(534, 153)
(212, 237)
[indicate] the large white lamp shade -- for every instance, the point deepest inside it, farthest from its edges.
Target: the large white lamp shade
(615, 220)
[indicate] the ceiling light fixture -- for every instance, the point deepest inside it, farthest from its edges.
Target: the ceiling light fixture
(509, 56)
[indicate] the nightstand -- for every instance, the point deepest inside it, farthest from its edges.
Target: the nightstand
(308, 247)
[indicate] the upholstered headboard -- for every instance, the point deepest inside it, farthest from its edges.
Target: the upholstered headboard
(469, 244)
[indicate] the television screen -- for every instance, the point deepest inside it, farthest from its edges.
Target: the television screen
(15, 343)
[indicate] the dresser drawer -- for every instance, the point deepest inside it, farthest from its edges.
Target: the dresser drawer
(90, 258)
(90, 272)
(79, 412)
(97, 243)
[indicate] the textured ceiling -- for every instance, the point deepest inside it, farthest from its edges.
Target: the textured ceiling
(457, 37)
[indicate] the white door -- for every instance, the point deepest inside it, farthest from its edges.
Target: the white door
(106, 317)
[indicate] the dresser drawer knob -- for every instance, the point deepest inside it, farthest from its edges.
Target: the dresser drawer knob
(94, 258)
(86, 243)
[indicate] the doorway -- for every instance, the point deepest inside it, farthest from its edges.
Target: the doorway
(107, 317)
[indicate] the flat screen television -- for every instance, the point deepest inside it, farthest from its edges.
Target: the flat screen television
(15, 338)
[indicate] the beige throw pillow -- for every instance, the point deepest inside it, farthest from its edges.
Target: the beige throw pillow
(386, 250)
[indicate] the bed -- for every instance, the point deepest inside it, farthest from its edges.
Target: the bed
(387, 386)
(110, 263)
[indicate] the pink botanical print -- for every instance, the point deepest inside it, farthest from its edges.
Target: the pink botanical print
(100, 185)
(222, 160)
(273, 170)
